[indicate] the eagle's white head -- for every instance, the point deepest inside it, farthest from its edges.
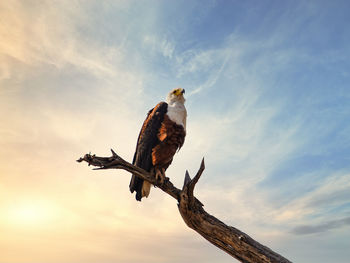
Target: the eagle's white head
(176, 108)
(176, 95)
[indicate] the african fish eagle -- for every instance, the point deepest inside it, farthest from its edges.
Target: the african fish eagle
(162, 134)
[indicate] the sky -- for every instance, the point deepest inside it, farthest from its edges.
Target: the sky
(268, 100)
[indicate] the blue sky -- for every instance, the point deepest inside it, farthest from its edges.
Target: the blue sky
(267, 88)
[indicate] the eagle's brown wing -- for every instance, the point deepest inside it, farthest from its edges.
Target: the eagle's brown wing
(147, 140)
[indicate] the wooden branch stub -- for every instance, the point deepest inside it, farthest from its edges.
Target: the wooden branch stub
(231, 240)
(194, 181)
(188, 188)
(187, 179)
(113, 153)
(199, 173)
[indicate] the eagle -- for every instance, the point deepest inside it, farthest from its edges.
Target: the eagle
(161, 136)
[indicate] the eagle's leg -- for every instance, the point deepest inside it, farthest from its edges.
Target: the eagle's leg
(160, 174)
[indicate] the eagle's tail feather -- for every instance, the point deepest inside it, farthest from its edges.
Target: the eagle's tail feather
(146, 188)
(141, 187)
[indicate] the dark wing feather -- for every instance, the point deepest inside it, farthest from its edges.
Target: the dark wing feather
(147, 140)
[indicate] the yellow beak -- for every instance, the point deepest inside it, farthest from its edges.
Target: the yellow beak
(179, 92)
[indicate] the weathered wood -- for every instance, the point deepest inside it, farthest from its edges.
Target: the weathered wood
(231, 240)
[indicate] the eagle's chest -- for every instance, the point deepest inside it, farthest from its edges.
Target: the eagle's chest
(177, 113)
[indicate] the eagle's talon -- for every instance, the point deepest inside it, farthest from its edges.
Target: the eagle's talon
(160, 175)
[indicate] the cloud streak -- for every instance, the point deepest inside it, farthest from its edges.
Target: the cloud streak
(313, 229)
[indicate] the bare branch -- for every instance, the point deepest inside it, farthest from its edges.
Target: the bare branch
(231, 240)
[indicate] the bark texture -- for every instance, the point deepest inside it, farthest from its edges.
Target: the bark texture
(231, 240)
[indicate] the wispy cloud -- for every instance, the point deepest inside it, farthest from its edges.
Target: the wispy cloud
(160, 45)
(318, 228)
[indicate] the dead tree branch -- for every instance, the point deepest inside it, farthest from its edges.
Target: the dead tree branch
(233, 241)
